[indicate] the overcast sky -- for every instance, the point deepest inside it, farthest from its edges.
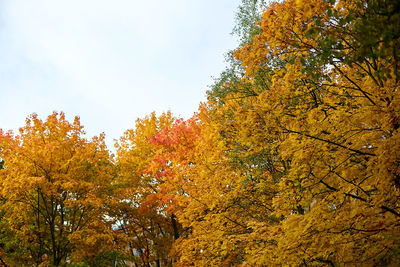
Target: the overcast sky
(109, 62)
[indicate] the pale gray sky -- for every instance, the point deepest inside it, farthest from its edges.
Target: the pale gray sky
(109, 62)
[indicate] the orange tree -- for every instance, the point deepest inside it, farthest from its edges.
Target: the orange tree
(214, 186)
(55, 189)
(139, 207)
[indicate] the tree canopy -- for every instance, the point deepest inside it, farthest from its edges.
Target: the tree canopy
(293, 160)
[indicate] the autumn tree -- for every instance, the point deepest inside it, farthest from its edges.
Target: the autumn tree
(333, 100)
(140, 206)
(213, 195)
(295, 160)
(56, 186)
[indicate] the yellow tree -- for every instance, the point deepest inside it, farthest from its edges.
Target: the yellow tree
(139, 208)
(298, 162)
(214, 188)
(55, 189)
(334, 102)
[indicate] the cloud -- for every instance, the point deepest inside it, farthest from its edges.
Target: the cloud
(109, 61)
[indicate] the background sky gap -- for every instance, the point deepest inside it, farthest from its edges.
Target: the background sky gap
(109, 62)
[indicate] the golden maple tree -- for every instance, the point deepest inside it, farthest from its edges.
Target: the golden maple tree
(55, 188)
(333, 105)
(139, 207)
(310, 150)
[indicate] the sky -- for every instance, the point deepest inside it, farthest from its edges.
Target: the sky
(110, 62)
